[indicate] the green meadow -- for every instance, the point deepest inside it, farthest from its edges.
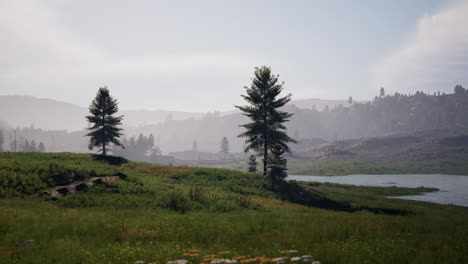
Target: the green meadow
(159, 213)
(340, 167)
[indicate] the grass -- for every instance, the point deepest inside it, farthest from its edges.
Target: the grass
(340, 167)
(162, 212)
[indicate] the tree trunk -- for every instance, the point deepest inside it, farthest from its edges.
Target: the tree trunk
(103, 149)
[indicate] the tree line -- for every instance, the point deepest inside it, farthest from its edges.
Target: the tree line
(265, 133)
(16, 141)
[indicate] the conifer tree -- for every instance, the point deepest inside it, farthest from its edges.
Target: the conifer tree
(224, 147)
(277, 165)
(1, 141)
(266, 129)
(32, 146)
(382, 92)
(41, 147)
(195, 146)
(252, 164)
(105, 128)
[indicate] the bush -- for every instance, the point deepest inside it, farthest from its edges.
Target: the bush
(176, 200)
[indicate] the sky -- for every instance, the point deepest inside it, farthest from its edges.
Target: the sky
(199, 55)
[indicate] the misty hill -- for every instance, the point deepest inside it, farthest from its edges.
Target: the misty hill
(413, 149)
(25, 111)
(382, 116)
(386, 115)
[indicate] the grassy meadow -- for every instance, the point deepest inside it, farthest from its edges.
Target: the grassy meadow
(159, 213)
(340, 167)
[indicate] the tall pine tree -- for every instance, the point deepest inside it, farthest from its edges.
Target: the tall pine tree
(105, 128)
(224, 147)
(266, 129)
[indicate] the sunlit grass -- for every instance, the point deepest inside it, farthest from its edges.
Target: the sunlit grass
(162, 213)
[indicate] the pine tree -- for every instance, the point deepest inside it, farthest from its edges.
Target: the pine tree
(252, 164)
(382, 92)
(41, 147)
(350, 100)
(32, 146)
(26, 147)
(195, 146)
(224, 147)
(266, 128)
(1, 141)
(105, 128)
(277, 165)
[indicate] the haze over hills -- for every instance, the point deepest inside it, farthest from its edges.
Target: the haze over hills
(176, 131)
(320, 104)
(50, 114)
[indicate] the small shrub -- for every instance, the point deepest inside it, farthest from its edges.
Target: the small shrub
(176, 200)
(196, 194)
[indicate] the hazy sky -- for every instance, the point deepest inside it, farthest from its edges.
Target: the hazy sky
(198, 55)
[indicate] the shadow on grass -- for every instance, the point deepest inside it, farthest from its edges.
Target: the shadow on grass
(112, 160)
(295, 193)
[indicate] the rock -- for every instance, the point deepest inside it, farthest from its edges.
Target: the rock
(220, 261)
(26, 242)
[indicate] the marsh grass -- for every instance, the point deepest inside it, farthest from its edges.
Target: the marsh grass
(340, 167)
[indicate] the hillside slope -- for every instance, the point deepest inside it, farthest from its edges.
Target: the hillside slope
(162, 213)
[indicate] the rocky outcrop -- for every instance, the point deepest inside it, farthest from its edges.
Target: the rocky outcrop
(57, 191)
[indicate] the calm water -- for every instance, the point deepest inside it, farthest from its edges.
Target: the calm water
(453, 188)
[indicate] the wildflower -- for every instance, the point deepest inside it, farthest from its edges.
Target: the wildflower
(278, 260)
(249, 260)
(224, 252)
(295, 259)
(210, 259)
(139, 262)
(211, 256)
(240, 257)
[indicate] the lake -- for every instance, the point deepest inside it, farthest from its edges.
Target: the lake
(453, 188)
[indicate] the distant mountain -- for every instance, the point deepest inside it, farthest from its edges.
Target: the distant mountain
(437, 148)
(25, 111)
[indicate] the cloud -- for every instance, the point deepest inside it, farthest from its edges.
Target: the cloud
(42, 57)
(435, 58)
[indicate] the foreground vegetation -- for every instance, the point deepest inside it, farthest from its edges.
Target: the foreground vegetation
(158, 213)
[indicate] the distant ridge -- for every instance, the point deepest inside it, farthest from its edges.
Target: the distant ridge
(320, 103)
(25, 111)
